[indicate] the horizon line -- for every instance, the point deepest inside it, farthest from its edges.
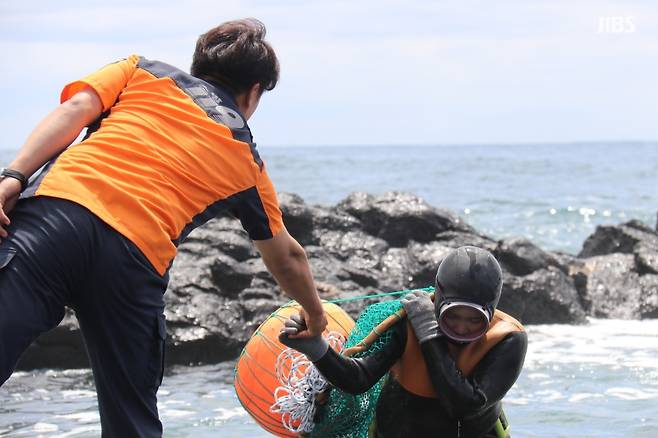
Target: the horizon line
(515, 143)
(468, 144)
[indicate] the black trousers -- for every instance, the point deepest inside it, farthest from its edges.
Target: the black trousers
(58, 253)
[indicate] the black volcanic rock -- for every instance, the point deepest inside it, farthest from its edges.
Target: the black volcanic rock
(297, 217)
(649, 298)
(396, 269)
(353, 244)
(426, 258)
(400, 217)
(545, 296)
(646, 260)
(229, 275)
(61, 347)
(612, 288)
(456, 238)
(520, 256)
(332, 219)
(234, 244)
(220, 290)
(623, 239)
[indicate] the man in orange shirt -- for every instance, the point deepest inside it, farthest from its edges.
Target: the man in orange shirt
(97, 229)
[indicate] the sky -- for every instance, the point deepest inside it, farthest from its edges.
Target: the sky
(370, 72)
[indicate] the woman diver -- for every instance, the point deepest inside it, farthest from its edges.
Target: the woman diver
(449, 364)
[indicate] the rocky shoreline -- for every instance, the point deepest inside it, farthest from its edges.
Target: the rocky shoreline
(220, 290)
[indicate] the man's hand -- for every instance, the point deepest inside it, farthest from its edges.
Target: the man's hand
(292, 335)
(10, 188)
(313, 325)
(420, 311)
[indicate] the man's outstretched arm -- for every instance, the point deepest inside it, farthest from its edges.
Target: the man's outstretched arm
(286, 260)
(57, 131)
(52, 135)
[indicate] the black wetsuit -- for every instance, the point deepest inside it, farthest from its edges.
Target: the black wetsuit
(464, 407)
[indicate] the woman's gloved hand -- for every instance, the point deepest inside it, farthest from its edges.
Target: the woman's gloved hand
(420, 311)
(314, 347)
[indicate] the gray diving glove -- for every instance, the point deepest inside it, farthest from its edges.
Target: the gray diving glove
(313, 347)
(420, 311)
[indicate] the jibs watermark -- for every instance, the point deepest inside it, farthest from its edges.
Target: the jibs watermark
(616, 24)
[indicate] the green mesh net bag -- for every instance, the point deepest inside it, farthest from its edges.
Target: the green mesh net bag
(346, 415)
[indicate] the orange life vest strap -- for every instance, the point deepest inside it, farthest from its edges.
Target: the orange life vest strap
(411, 371)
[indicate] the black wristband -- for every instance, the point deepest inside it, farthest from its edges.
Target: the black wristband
(11, 173)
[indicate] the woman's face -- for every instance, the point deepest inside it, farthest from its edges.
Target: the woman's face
(463, 323)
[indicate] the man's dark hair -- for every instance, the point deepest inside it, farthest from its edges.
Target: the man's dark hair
(236, 56)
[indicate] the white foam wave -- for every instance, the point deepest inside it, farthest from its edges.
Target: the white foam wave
(537, 376)
(78, 393)
(613, 343)
(519, 401)
(45, 427)
(576, 398)
(549, 395)
(82, 417)
(176, 413)
(632, 393)
(226, 414)
(80, 431)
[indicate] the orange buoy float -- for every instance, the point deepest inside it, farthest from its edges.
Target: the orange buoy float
(255, 372)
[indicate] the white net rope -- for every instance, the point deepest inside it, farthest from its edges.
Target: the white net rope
(300, 383)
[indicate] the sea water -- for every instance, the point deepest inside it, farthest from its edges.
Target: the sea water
(591, 381)
(594, 380)
(553, 194)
